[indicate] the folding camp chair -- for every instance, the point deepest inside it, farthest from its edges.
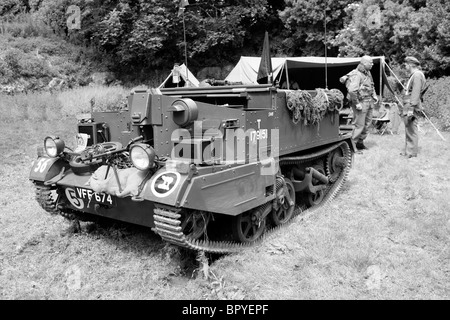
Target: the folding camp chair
(380, 123)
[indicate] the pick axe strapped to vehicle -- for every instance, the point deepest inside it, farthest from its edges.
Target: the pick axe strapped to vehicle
(421, 98)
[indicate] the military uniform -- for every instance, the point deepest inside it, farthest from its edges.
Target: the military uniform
(412, 109)
(361, 95)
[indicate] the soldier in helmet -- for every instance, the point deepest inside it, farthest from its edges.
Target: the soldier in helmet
(412, 106)
(362, 97)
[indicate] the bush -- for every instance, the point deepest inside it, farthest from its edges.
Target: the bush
(35, 61)
(6, 74)
(32, 67)
(25, 25)
(12, 59)
(437, 102)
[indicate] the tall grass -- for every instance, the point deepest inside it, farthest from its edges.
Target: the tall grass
(385, 236)
(103, 98)
(37, 106)
(24, 25)
(52, 106)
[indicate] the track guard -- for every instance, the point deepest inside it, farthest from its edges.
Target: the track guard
(46, 168)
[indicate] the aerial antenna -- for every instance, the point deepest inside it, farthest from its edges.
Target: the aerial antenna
(185, 43)
(182, 5)
(325, 42)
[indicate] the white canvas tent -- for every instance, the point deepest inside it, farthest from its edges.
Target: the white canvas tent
(309, 72)
(186, 76)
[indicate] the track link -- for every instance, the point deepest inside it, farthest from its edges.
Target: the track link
(168, 219)
(45, 199)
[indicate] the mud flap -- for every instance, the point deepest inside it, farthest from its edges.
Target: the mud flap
(46, 168)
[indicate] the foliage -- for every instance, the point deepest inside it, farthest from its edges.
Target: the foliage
(10, 8)
(139, 39)
(151, 34)
(437, 102)
(221, 29)
(305, 21)
(32, 62)
(396, 29)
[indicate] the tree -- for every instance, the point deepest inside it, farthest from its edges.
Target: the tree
(151, 33)
(397, 29)
(219, 30)
(305, 22)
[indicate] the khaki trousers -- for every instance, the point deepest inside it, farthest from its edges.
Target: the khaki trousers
(412, 135)
(362, 120)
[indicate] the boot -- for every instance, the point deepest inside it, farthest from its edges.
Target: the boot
(361, 146)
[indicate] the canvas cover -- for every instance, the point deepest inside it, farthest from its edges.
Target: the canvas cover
(186, 75)
(308, 72)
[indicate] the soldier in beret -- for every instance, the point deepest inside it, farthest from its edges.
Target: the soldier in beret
(412, 106)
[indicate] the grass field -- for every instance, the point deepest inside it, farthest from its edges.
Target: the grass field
(385, 236)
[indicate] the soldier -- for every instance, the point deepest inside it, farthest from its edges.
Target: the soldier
(412, 106)
(362, 97)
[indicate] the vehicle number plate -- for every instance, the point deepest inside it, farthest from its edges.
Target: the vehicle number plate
(92, 197)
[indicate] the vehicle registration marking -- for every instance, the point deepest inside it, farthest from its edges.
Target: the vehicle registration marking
(95, 197)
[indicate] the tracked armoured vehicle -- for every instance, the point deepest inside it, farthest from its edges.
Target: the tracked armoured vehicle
(206, 168)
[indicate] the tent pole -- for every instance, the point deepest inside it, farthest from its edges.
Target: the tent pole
(287, 74)
(380, 102)
(281, 74)
(395, 76)
(325, 42)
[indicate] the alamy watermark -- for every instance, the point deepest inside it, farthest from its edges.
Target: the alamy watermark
(373, 17)
(74, 19)
(73, 277)
(230, 146)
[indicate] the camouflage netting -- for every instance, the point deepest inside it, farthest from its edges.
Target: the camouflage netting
(303, 106)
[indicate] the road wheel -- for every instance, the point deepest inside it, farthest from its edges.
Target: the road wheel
(285, 203)
(248, 226)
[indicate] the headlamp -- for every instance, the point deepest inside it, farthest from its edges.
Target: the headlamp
(53, 146)
(142, 156)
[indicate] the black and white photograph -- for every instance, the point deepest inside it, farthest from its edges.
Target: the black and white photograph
(229, 157)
